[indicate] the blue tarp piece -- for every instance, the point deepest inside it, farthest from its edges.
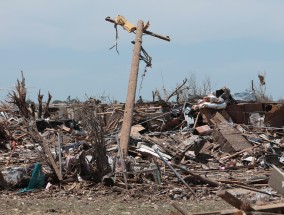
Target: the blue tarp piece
(37, 180)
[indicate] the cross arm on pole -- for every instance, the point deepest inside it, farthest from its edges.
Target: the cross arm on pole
(166, 38)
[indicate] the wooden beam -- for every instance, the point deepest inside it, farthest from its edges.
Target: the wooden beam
(132, 84)
(234, 201)
(51, 160)
(166, 38)
(271, 208)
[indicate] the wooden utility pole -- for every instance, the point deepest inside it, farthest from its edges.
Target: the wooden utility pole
(132, 84)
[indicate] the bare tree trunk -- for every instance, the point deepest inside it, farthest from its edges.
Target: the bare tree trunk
(19, 97)
(177, 90)
(39, 98)
(46, 110)
(33, 109)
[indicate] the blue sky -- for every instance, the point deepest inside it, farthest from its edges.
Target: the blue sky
(63, 46)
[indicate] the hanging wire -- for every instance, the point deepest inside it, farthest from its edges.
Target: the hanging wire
(148, 60)
(116, 39)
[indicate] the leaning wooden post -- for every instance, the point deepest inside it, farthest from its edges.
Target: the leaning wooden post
(130, 100)
(132, 83)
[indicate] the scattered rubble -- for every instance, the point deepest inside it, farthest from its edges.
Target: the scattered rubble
(189, 151)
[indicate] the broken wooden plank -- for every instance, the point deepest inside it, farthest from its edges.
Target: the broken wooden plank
(234, 201)
(51, 160)
(272, 208)
(276, 180)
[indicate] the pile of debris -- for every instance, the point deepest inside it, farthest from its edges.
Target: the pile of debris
(200, 149)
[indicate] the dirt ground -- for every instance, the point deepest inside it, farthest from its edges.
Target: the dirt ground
(60, 203)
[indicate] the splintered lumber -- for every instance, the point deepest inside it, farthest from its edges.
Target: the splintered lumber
(208, 181)
(230, 139)
(276, 180)
(234, 201)
(48, 155)
(51, 160)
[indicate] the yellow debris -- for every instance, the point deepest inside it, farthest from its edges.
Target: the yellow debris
(120, 20)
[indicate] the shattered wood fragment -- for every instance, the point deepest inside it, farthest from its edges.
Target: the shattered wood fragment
(230, 139)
